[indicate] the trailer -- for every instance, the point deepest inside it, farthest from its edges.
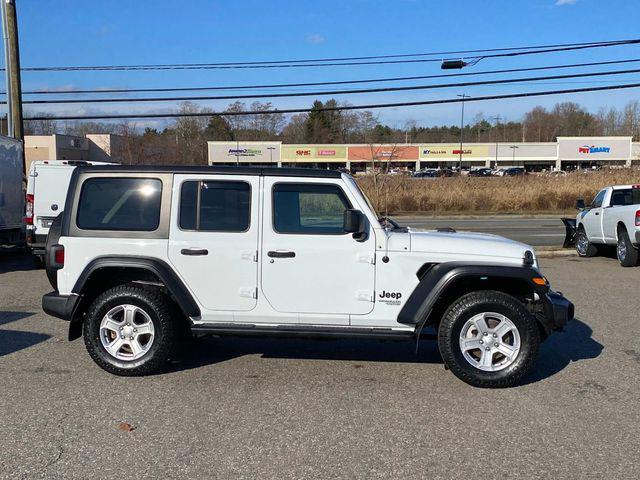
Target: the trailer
(12, 187)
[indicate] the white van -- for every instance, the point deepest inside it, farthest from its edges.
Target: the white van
(47, 186)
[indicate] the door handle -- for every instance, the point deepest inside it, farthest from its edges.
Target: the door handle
(597, 213)
(194, 251)
(277, 254)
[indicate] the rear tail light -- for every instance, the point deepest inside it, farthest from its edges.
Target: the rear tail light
(638, 218)
(57, 256)
(28, 218)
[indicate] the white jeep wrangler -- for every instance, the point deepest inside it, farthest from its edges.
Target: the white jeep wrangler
(142, 256)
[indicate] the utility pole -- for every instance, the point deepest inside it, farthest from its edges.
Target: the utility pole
(463, 96)
(497, 120)
(12, 70)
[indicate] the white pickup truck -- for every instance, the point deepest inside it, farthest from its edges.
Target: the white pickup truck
(612, 218)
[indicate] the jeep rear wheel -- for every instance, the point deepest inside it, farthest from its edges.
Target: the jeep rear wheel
(488, 339)
(129, 331)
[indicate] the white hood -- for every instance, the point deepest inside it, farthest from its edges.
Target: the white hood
(468, 246)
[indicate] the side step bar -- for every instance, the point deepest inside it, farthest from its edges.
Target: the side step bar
(306, 331)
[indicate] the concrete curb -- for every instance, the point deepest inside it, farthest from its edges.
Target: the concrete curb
(552, 252)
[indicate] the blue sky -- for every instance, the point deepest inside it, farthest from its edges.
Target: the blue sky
(107, 32)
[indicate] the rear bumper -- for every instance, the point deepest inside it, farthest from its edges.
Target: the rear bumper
(60, 306)
(36, 243)
(557, 310)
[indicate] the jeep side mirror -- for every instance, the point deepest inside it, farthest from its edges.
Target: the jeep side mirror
(580, 204)
(355, 222)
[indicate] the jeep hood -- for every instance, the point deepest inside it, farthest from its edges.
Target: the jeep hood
(468, 246)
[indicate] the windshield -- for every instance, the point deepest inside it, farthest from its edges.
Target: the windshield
(351, 180)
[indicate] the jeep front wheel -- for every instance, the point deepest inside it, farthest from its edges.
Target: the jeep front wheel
(129, 331)
(488, 339)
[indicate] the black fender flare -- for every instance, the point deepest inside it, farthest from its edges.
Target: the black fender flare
(437, 279)
(159, 268)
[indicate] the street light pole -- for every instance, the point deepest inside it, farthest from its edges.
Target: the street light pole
(463, 96)
(513, 149)
(497, 120)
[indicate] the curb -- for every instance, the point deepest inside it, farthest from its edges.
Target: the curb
(556, 253)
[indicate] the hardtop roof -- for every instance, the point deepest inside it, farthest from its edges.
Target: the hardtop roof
(214, 169)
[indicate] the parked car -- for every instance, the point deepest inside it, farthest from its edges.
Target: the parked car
(514, 172)
(143, 255)
(557, 173)
(11, 192)
(612, 218)
(47, 185)
(481, 172)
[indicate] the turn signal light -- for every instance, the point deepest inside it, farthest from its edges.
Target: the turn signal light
(539, 281)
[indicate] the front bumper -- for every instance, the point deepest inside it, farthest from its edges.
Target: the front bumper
(557, 311)
(60, 306)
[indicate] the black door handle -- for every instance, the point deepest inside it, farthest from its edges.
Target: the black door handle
(597, 213)
(275, 254)
(194, 251)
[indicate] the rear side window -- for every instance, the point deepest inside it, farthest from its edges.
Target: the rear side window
(131, 204)
(215, 206)
(309, 209)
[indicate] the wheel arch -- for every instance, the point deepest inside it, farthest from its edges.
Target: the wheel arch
(107, 272)
(442, 284)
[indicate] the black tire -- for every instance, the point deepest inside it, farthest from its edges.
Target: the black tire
(156, 306)
(625, 251)
(583, 246)
(463, 310)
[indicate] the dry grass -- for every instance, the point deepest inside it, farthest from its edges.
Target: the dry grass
(530, 194)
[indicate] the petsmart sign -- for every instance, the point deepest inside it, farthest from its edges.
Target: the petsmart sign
(594, 148)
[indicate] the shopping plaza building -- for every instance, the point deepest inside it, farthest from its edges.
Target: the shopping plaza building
(566, 153)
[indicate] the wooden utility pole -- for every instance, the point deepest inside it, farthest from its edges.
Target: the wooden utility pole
(14, 86)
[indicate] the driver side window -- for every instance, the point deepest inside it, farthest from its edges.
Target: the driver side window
(597, 201)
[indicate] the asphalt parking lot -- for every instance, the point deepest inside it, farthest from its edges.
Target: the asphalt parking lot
(265, 408)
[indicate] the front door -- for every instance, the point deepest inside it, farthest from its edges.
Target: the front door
(309, 265)
(592, 219)
(213, 240)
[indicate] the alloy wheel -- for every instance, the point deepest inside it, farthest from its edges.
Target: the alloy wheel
(127, 332)
(489, 341)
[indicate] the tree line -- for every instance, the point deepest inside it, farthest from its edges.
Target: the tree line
(184, 141)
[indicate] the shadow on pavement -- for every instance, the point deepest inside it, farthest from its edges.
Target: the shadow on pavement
(207, 350)
(558, 351)
(12, 260)
(8, 317)
(562, 348)
(13, 340)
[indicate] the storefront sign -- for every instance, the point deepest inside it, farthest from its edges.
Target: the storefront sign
(452, 151)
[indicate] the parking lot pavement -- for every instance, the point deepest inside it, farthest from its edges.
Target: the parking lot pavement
(266, 408)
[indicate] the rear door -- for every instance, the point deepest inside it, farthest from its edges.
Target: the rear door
(309, 265)
(592, 219)
(51, 183)
(213, 239)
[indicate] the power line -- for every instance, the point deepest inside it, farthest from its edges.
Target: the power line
(333, 92)
(326, 109)
(322, 62)
(313, 84)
